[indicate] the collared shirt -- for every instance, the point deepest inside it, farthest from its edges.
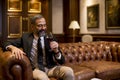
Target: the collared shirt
(43, 49)
(34, 52)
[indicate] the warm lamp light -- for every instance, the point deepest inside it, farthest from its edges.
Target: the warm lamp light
(74, 25)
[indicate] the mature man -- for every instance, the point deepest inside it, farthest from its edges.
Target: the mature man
(44, 55)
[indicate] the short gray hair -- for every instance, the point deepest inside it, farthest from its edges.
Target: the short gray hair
(33, 19)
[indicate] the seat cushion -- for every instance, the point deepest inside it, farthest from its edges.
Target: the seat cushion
(104, 69)
(82, 73)
(53, 79)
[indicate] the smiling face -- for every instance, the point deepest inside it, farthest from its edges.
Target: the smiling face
(39, 27)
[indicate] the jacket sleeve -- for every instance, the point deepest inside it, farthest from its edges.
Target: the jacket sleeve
(61, 60)
(16, 42)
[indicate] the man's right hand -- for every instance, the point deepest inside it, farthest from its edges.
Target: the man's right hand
(18, 53)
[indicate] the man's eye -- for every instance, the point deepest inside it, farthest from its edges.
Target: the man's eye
(41, 25)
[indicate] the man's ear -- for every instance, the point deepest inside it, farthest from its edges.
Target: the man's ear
(32, 26)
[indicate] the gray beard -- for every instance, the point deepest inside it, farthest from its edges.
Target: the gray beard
(42, 33)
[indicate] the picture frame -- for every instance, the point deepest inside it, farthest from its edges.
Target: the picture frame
(93, 16)
(34, 7)
(112, 13)
(14, 5)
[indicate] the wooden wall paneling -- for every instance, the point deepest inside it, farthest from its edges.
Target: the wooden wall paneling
(26, 27)
(0, 22)
(106, 37)
(19, 17)
(14, 5)
(70, 12)
(25, 24)
(60, 38)
(46, 11)
(16, 30)
(96, 37)
(26, 12)
(4, 20)
(0, 18)
(101, 37)
(66, 14)
(74, 10)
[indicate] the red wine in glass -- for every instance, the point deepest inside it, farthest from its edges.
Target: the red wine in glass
(49, 37)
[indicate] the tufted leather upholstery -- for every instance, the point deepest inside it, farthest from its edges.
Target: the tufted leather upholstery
(79, 52)
(13, 69)
(93, 59)
(88, 60)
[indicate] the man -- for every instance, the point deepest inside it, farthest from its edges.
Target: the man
(43, 54)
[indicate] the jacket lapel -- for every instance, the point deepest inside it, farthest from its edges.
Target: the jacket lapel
(30, 41)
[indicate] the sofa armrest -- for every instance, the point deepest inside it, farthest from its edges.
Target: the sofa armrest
(14, 69)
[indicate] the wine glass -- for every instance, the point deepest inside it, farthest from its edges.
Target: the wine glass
(50, 37)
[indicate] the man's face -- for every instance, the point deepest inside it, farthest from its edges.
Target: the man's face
(40, 27)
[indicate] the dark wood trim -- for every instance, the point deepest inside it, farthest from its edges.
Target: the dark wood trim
(60, 38)
(101, 37)
(96, 37)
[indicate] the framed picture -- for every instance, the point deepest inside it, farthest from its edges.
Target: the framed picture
(93, 16)
(14, 5)
(34, 7)
(112, 11)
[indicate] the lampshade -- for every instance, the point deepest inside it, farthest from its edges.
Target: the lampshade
(74, 25)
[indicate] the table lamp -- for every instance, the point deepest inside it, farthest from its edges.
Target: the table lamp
(74, 25)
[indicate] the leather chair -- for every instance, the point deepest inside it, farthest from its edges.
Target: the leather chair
(14, 69)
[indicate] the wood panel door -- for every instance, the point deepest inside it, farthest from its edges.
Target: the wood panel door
(18, 14)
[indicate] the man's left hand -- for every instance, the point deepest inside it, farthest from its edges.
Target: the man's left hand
(54, 46)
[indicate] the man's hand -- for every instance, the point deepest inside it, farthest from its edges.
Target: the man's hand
(18, 53)
(54, 46)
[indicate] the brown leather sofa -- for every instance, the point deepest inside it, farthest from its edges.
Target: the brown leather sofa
(88, 60)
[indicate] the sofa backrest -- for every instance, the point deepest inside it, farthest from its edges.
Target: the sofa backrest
(86, 51)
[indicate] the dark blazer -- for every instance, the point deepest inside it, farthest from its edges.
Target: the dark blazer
(25, 42)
